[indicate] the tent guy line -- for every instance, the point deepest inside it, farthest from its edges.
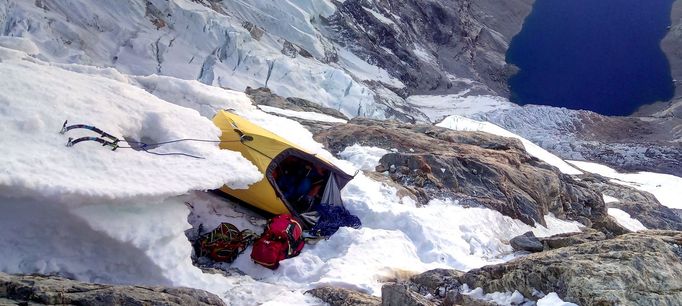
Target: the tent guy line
(135, 145)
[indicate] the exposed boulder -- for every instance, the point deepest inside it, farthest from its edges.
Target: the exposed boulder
(527, 242)
(569, 239)
(633, 269)
(53, 290)
(398, 294)
(344, 297)
(472, 167)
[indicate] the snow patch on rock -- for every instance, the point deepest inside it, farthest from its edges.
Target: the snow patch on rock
(665, 187)
(460, 123)
(624, 219)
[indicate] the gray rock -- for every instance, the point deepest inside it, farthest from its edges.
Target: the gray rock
(255, 31)
(633, 269)
(641, 205)
(527, 242)
(397, 294)
(437, 282)
(53, 290)
(478, 169)
(344, 297)
(462, 299)
(426, 42)
(263, 96)
(570, 239)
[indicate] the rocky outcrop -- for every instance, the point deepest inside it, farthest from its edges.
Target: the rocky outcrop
(263, 96)
(529, 243)
(633, 269)
(475, 168)
(53, 290)
(344, 297)
(641, 205)
(426, 43)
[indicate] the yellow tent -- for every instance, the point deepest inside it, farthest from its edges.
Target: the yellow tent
(295, 181)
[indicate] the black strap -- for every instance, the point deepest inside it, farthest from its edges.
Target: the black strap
(104, 134)
(292, 242)
(104, 142)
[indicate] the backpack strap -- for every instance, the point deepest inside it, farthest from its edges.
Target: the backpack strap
(293, 243)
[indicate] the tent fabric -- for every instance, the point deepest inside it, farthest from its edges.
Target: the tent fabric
(266, 150)
(332, 194)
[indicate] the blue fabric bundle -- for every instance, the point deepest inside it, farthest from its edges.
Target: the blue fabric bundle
(333, 217)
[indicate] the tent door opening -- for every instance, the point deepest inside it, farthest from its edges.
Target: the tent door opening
(300, 183)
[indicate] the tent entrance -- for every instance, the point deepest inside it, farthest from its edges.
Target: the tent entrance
(300, 183)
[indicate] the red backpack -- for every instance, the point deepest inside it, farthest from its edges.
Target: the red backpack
(282, 239)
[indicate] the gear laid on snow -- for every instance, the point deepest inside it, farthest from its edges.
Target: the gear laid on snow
(224, 243)
(104, 142)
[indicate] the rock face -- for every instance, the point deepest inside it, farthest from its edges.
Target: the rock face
(632, 269)
(263, 96)
(641, 205)
(426, 43)
(474, 168)
(529, 243)
(344, 297)
(401, 295)
(52, 290)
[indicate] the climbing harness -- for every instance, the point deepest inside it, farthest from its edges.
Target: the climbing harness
(109, 140)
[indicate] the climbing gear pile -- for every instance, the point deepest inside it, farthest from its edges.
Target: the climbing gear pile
(224, 243)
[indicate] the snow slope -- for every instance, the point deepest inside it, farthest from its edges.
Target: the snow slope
(37, 97)
(99, 215)
(397, 238)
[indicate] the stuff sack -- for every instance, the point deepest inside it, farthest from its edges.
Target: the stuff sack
(282, 239)
(224, 243)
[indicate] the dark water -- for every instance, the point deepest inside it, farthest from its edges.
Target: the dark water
(600, 55)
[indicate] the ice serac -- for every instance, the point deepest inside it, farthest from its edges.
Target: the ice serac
(229, 44)
(434, 46)
(643, 143)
